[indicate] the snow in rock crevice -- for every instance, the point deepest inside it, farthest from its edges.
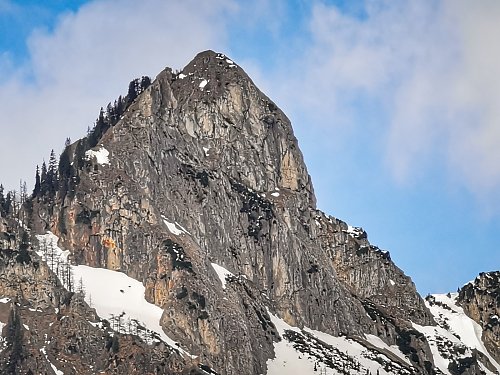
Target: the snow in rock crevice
(54, 368)
(174, 227)
(203, 84)
(222, 273)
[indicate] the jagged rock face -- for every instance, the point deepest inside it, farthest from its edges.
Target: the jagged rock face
(203, 168)
(7, 236)
(480, 300)
(370, 273)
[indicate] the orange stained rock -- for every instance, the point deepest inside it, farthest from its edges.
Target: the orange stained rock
(109, 243)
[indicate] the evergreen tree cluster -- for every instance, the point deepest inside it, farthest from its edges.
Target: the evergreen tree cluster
(109, 117)
(24, 256)
(63, 176)
(11, 202)
(47, 178)
(5, 202)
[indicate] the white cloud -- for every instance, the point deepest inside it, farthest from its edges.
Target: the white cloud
(432, 67)
(86, 61)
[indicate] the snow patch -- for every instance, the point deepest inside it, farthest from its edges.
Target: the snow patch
(206, 150)
(101, 155)
(222, 273)
(115, 294)
(4, 300)
(275, 194)
(392, 282)
(175, 227)
(203, 84)
(354, 231)
(182, 76)
(327, 352)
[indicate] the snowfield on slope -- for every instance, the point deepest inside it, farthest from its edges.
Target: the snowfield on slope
(113, 294)
(330, 355)
(455, 330)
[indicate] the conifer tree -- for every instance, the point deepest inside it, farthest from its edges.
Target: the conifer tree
(7, 207)
(52, 175)
(132, 90)
(2, 201)
(120, 106)
(145, 83)
(23, 256)
(37, 188)
(23, 191)
(43, 179)
(115, 346)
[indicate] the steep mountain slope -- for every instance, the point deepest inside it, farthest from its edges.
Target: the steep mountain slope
(481, 301)
(200, 192)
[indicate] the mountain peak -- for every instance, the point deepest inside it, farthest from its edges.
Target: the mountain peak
(210, 60)
(214, 105)
(195, 189)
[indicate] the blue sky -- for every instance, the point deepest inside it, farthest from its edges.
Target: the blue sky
(396, 105)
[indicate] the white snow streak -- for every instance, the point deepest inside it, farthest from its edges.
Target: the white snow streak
(54, 368)
(353, 231)
(222, 273)
(2, 324)
(174, 227)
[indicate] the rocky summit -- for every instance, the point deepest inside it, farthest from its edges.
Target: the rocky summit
(181, 236)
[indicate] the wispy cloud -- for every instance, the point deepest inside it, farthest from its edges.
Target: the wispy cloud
(432, 67)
